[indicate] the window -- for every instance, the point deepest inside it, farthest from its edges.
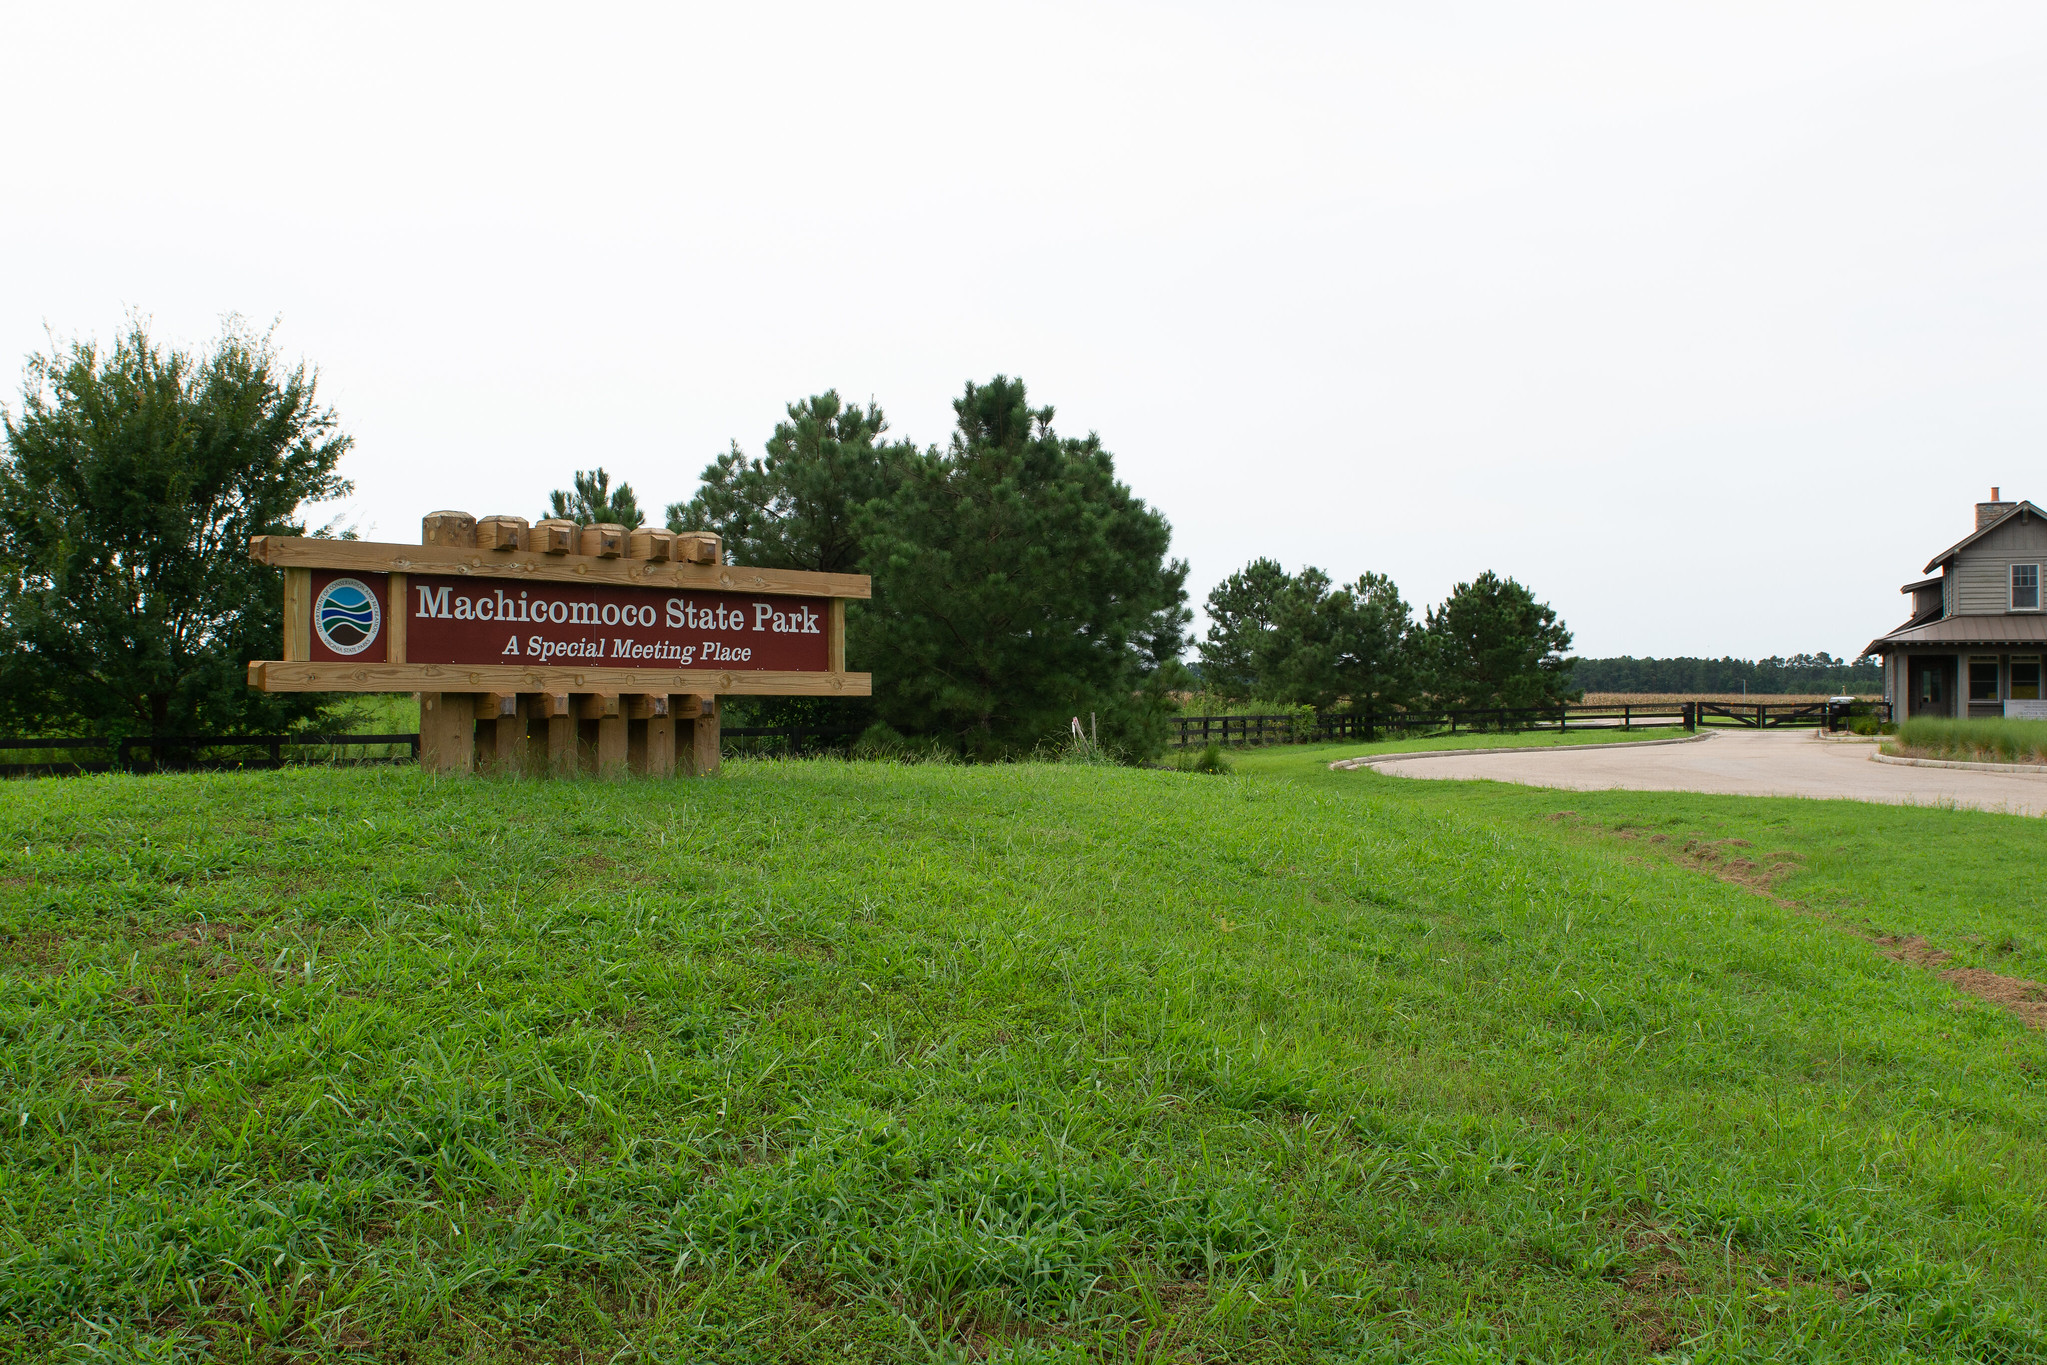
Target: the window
(2025, 587)
(2025, 680)
(1982, 680)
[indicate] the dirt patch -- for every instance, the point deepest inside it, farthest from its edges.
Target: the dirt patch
(1912, 949)
(1710, 855)
(1653, 1286)
(42, 949)
(2026, 999)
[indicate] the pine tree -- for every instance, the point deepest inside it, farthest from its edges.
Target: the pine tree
(1018, 584)
(592, 502)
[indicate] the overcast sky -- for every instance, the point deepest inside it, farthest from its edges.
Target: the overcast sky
(1708, 324)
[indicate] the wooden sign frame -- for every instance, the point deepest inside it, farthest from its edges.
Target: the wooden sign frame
(558, 716)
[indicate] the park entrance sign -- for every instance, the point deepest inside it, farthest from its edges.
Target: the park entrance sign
(555, 644)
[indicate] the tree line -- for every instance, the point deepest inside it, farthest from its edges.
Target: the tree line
(1304, 640)
(1775, 676)
(1017, 582)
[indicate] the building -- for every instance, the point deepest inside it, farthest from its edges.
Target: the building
(1974, 642)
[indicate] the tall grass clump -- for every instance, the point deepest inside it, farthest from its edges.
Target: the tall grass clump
(1975, 741)
(1209, 758)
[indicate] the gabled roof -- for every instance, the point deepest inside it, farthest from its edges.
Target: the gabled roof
(2026, 629)
(1951, 551)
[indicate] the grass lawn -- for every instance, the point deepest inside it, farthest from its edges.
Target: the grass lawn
(829, 1061)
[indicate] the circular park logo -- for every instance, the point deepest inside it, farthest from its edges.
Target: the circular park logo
(347, 616)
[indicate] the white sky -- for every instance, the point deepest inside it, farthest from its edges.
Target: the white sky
(1709, 324)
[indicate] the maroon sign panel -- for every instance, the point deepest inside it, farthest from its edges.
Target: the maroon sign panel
(348, 617)
(461, 621)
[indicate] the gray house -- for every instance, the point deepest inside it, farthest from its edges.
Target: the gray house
(1974, 643)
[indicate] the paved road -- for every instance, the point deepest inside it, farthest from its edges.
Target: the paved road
(1743, 763)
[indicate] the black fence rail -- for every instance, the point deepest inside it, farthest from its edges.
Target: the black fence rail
(793, 740)
(172, 753)
(1370, 725)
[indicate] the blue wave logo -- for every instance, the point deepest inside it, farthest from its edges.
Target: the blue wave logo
(347, 616)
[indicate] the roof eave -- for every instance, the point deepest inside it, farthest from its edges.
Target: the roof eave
(1951, 551)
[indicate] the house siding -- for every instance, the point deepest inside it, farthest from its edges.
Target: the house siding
(1981, 576)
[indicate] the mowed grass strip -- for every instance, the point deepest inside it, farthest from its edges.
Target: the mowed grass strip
(824, 1061)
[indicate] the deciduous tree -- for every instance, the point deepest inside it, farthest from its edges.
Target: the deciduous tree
(130, 486)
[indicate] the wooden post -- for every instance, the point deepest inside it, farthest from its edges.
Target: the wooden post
(501, 732)
(447, 732)
(456, 530)
(298, 615)
(835, 636)
(394, 621)
(659, 747)
(501, 533)
(561, 733)
(605, 539)
(554, 536)
(446, 719)
(648, 543)
(707, 739)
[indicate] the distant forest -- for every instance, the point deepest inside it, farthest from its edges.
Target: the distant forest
(1820, 672)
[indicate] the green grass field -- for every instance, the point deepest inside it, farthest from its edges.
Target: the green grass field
(827, 1061)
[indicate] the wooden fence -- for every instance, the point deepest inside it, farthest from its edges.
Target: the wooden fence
(1370, 725)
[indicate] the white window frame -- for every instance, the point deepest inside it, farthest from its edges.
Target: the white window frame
(2010, 589)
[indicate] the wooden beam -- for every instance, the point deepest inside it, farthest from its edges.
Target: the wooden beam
(276, 675)
(394, 620)
(534, 565)
(447, 733)
(835, 636)
(684, 705)
(496, 705)
(298, 614)
(597, 706)
(552, 704)
(646, 705)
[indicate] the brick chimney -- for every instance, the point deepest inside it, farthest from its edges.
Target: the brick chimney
(1987, 512)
